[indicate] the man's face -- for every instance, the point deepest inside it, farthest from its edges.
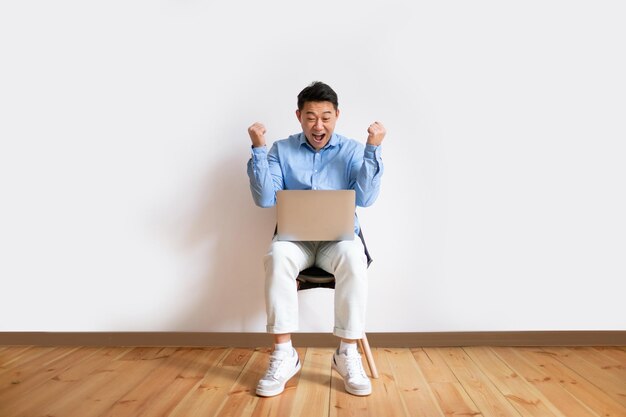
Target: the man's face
(318, 120)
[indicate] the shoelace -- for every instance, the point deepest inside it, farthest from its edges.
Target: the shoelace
(355, 367)
(276, 363)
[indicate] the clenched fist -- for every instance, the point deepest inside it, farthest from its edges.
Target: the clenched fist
(257, 134)
(375, 134)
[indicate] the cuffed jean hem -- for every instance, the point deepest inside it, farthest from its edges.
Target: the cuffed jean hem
(347, 334)
(280, 330)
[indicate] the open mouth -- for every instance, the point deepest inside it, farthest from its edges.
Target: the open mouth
(318, 138)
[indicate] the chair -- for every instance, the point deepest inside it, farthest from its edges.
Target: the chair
(315, 277)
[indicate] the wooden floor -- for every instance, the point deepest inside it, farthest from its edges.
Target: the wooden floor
(431, 382)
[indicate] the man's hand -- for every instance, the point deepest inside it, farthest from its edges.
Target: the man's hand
(376, 134)
(257, 134)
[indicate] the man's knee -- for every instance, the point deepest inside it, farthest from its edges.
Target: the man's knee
(283, 259)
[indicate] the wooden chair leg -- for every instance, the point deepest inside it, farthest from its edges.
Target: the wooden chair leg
(365, 348)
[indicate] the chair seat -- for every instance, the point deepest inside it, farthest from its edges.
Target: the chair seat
(316, 275)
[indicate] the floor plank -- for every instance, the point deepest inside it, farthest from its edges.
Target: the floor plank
(209, 394)
(566, 390)
(313, 393)
(416, 395)
(12, 353)
(22, 358)
(448, 391)
(589, 366)
(96, 393)
(160, 391)
(15, 375)
(68, 380)
(480, 389)
(522, 395)
(241, 400)
(386, 398)
(33, 378)
(614, 353)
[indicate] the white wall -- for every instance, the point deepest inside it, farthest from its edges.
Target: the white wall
(124, 198)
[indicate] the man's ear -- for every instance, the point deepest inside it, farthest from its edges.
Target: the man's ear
(299, 116)
(337, 113)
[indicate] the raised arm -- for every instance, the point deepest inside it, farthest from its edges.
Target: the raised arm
(370, 169)
(263, 169)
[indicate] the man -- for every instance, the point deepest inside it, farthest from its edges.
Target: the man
(316, 158)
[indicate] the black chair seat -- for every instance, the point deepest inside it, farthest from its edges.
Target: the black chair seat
(315, 277)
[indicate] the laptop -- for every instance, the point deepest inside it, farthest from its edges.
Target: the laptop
(315, 215)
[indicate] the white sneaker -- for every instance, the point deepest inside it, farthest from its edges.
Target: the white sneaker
(350, 367)
(283, 365)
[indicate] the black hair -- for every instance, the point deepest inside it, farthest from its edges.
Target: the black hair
(317, 91)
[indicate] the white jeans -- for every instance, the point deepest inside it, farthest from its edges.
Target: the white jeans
(345, 259)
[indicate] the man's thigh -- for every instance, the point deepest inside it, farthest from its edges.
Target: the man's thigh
(329, 253)
(301, 254)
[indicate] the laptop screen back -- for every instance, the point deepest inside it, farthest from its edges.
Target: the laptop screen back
(315, 215)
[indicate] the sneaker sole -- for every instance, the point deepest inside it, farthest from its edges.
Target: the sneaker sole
(261, 392)
(358, 392)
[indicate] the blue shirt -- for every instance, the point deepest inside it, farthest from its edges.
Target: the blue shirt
(293, 164)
